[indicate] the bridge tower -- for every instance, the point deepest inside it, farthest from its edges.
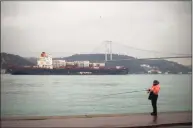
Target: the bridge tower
(108, 47)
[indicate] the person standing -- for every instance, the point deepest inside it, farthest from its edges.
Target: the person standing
(153, 96)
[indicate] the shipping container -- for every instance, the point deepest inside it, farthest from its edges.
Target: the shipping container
(102, 64)
(80, 63)
(94, 64)
(90, 65)
(69, 63)
(86, 63)
(59, 62)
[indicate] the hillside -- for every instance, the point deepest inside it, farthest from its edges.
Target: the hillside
(85, 57)
(133, 64)
(10, 59)
(94, 57)
(33, 60)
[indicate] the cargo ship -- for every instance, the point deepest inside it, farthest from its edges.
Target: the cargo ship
(47, 66)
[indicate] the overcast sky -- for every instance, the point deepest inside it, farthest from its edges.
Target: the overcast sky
(62, 28)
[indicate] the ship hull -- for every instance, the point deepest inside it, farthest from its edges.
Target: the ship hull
(39, 71)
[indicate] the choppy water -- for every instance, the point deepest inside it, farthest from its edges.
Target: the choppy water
(79, 95)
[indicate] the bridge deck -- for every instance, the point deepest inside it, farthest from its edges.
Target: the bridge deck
(122, 120)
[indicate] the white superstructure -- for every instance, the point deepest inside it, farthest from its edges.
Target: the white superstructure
(45, 61)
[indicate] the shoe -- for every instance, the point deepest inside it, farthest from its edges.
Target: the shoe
(154, 114)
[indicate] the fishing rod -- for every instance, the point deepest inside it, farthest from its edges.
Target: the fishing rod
(118, 94)
(124, 92)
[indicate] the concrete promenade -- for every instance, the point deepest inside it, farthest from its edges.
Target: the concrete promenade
(108, 120)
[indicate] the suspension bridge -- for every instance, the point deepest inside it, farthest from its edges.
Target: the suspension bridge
(109, 48)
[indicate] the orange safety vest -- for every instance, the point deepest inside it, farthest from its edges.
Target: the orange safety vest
(155, 89)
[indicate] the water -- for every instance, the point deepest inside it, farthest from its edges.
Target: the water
(80, 95)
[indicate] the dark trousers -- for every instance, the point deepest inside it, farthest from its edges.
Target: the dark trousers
(154, 103)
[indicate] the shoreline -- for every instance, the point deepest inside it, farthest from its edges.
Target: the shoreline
(80, 116)
(106, 120)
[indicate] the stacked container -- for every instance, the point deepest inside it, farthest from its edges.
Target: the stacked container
(95, 65)
(86, 63)
(98, 64)
(69, 63)
(101, 64)
(59, 63)
(80, 64)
